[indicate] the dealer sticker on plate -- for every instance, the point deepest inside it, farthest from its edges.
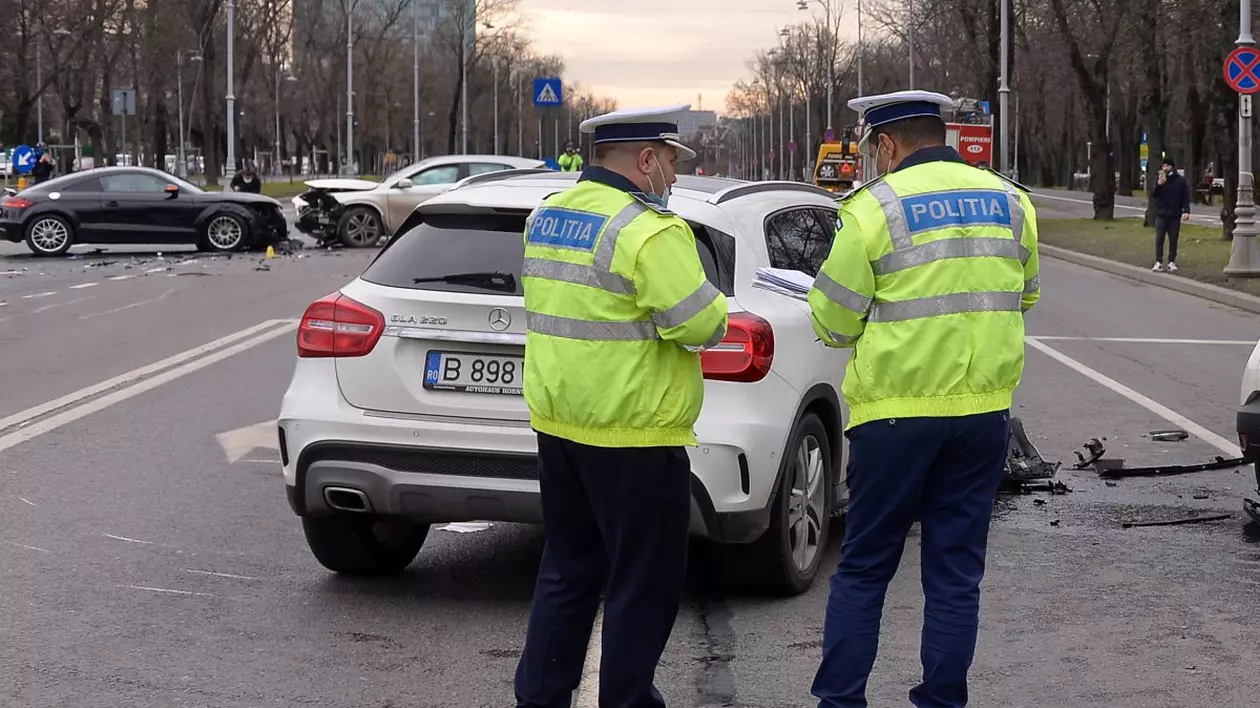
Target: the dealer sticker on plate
(474, 373)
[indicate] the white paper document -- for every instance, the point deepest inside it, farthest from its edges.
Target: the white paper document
(792, 283)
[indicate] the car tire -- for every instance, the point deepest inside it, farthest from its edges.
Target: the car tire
(360, 227)
(223, 232)
(49, 235)
(358, 544)
(790, 552)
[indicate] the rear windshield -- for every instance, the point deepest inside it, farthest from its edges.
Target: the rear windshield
(458, 245)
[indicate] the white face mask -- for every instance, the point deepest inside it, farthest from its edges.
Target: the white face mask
(663, 197)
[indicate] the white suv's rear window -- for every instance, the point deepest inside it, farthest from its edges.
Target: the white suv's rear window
(450, 251)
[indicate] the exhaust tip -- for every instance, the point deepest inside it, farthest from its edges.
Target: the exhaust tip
(346, 499)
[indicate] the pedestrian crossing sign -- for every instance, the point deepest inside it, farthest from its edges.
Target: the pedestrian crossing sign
(548, 92)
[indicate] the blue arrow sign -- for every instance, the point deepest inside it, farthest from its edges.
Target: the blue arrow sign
(23, 159)
(548, 92)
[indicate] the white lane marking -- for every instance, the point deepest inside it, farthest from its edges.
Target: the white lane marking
(120, 277)
(99, 404)
(94, 389)
(167, 590)
(51, 305)
(32, 296)
(28, 501)
(1220, 443)
(588, 689)
(466, 526)
(220, 575)
(81, 286)
(1145, 340)
(150, 301)
(129, 540)
(32, 548)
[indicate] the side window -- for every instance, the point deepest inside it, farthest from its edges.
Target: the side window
(87, 185)
(132, 183)
(716, 251)
(479, 168)
(446, 174)
(799, 239)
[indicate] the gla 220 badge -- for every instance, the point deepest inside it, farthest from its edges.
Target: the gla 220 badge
(413, 320)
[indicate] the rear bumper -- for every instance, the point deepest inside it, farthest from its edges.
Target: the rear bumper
(1249, 430)
(434, 485)
(10, 231)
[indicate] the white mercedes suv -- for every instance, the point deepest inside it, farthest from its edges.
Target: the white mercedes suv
(405, 407)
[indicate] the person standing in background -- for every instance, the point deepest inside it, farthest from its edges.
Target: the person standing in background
(1172, 206)
(570, 160)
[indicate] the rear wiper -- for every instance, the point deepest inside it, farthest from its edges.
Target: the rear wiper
(496, 280)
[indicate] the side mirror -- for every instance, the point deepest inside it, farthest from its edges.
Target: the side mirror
(172, 190)
(404, 183)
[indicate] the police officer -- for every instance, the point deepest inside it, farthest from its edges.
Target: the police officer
(617, 309)
(570, 160)
(932, 267)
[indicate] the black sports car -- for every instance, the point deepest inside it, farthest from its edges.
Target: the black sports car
(137, 205)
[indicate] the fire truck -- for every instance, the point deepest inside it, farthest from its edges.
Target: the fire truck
(968, 129)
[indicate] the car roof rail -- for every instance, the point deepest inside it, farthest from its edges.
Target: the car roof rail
(500, 175)
(743, 190)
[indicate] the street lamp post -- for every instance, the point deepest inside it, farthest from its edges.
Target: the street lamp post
(231, 98)
(275, 159)
(415, 77)
(1004, 92)
(469, 27)
(831, 50)
(179, 81)
(39, 86)
(349, 165)
(1244, 255)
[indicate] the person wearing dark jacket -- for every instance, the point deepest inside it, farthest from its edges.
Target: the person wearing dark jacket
(247, 180)
(1172, 206)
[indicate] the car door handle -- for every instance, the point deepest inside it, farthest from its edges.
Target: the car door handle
(111, 203)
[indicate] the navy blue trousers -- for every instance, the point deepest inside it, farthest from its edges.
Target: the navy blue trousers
(614, 514)
(944, 473)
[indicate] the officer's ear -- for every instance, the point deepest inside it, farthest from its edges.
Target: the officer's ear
(645, 159)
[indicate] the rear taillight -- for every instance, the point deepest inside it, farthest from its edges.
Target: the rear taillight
(338, 326)
(17, 203)
(744, 354)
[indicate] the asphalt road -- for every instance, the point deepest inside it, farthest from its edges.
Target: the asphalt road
(139, 568)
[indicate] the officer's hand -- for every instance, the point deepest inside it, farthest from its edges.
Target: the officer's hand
(1185, 217)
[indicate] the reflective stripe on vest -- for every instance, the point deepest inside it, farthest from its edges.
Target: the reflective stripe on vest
(840, 295)
(952, 304)
(591, 330)
(906, 254)
(687, 308)
(577, 274)
(1033, 284)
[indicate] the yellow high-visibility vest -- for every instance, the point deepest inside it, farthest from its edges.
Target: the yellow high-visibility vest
(617, 306)
(928, 278)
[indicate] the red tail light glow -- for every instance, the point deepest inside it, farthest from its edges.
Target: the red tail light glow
(337, 326)
(17, 203)
(744, 354)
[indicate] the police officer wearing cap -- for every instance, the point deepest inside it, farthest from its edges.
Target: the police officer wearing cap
(932, 267)
(617, 309)
(570, 160)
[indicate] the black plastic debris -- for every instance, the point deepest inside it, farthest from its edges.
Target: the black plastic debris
(1218, 463)
(1096, 450)
(1252, 509)
(1177, 522)
(1024, 462)
(1175, 435)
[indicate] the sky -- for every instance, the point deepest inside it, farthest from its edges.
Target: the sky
(659, 52)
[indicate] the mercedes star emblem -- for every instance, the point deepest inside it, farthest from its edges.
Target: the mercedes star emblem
(500, 319)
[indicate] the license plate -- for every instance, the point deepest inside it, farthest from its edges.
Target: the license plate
(474, 373)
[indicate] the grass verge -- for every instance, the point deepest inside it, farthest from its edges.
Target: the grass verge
(1201, 254)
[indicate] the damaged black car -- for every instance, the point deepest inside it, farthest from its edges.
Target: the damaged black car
(138, 205)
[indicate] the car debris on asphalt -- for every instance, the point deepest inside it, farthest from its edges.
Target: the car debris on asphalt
(1113, 467)
(1026, 470)
(1177, 522)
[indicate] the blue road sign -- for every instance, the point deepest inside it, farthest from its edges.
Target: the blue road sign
(1241, 72)
(548, 92)
(23, 159)
(984, 107)
(552, 164)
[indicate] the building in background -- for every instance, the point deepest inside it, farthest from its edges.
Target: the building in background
(696, 124)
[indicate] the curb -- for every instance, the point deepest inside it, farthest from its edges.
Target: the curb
(1207, 291)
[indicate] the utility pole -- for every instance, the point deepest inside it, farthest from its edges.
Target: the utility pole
(861, 50)
(495, 59)
(415, 77)
(910, 38)
(469, 18)
(349, 86)
(1004, 92)
(231, 87)
(1244, 255)
(179, 82)
(39, 85)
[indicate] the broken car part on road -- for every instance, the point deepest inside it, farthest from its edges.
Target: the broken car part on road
(1111, 468)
